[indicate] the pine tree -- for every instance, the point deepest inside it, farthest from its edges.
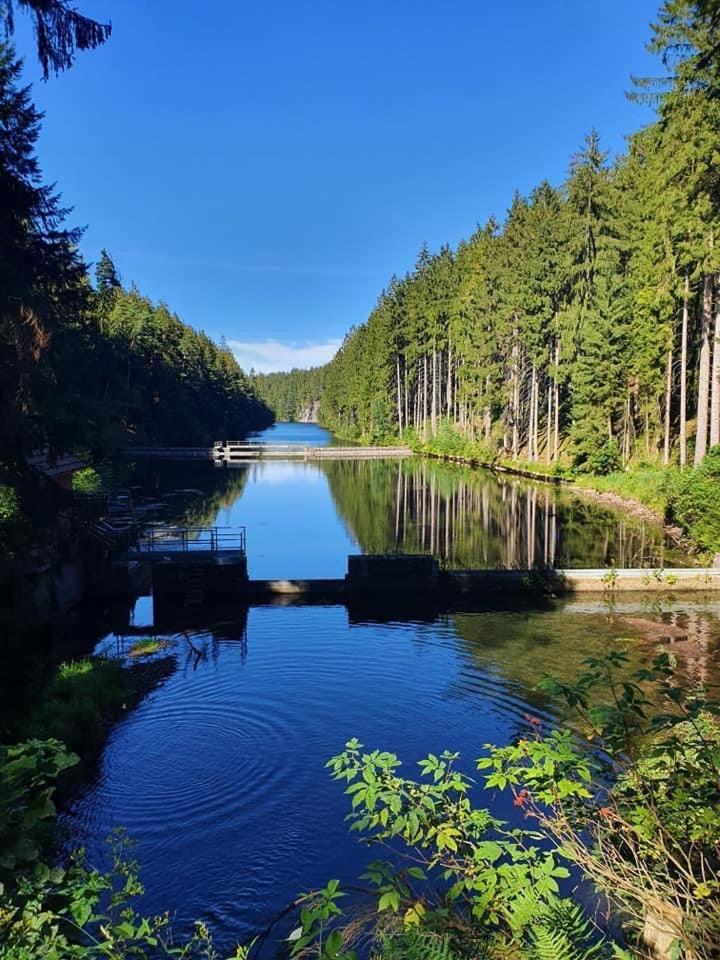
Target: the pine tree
(59, 31)
(42, 277)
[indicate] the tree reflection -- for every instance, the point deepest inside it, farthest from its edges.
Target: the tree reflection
(475, 518)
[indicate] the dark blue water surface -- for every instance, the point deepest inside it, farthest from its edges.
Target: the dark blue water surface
(219, 774)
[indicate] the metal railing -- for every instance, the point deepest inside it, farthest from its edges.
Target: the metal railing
(185, 539)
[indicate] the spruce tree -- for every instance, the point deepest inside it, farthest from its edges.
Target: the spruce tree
(42, 277)
(59, 31)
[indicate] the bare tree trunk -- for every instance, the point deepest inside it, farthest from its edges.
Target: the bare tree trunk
(556, 392)
(516, 395)
(536, 413)
(425, 394)
(449, 404)
(548, 430)
(668, 401)
(683, 372)
(405, 377)
(701, 436)
(399, 393)
(715, 385)
(433, 410)
(531, 417)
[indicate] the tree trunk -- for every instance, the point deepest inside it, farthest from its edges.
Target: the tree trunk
(531, 417)
(715, 385)
(548, 430)
(556, 392)
(536, 414)
(668, 401)
(683, 373)
(425, 394)
(701, 436)
(433, 411)
(516, 395)
(399, 393)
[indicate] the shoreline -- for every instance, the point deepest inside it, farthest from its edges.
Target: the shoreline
(636, 508)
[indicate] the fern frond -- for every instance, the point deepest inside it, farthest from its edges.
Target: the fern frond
(565, 933)
(416, 945)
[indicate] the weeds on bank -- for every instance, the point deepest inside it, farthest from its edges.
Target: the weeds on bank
(78, 702)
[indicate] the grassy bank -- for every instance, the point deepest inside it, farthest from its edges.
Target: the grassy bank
(78, 702)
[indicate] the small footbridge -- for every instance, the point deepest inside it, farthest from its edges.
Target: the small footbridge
(241, 451)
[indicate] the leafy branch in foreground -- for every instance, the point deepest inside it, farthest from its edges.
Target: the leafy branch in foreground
(647, 832)
(630, 801)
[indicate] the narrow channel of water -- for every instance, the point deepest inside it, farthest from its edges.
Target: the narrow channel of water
(220, 774)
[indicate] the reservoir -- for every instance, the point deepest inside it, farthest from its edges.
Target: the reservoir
(219, 774)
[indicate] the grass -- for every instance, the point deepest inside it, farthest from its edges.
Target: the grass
(78, 702)
(146, 646)
(652, 486)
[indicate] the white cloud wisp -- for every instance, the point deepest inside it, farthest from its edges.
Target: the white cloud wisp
(270, 356)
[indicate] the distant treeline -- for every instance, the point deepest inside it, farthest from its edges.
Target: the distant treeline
(293, 395)
(587, 324)
(86, 366)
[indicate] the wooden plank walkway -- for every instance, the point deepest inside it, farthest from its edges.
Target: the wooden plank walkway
(222, 452)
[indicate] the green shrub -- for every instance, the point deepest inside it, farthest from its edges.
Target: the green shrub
(87, 481)
(9, 505)
(606, 460)
(696, 501)
(28, 773)
(67, 910)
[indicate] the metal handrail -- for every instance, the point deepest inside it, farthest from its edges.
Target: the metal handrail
(185, 539)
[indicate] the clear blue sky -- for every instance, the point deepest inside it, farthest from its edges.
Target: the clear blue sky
(265, 167)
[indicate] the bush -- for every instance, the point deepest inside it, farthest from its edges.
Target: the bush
(9, 506)
(603, 461)
(696, 501)
(633, 805)
(87, 481)
(67, 910)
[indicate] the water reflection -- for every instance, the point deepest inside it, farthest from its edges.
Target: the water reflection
(475, 518)
(303, 518)
(220, 773)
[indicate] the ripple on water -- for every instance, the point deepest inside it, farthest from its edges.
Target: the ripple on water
(220, 773)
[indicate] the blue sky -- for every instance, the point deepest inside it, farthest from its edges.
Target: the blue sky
(264, 168)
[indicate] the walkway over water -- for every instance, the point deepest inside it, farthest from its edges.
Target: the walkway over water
(240, 451)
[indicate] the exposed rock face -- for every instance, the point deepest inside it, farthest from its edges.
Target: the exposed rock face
(309, 413)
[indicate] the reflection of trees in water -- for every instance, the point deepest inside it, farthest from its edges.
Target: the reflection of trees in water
(526, 646)
(208, 489)
(472, 518)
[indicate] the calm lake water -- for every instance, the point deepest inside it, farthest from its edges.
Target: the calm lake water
(219, 773)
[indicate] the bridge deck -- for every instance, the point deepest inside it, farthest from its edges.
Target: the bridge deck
(239, 452)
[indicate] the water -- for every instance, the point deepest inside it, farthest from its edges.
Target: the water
(303, 518)
(307, 434)
(220, 774)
